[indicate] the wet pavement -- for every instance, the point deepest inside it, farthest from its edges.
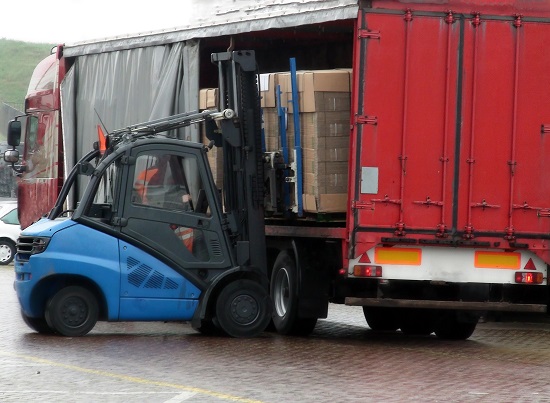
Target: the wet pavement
(342, 361)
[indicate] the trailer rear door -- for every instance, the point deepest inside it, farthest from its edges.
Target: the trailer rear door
(452, 125)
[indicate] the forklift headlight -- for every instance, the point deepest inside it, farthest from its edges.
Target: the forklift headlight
(32, 245)
(39, 245)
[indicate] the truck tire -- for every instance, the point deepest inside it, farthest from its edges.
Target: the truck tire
(209, 328)
(284, 283)
(37, 324)
(72, 311)
(7, 251)
(456, 326)
(243, 309)
(417, 322)
(381, 319)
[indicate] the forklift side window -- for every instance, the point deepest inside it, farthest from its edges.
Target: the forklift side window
(169, 182)
(104, 202)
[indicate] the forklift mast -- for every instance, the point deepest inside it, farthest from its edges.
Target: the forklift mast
(243, 186)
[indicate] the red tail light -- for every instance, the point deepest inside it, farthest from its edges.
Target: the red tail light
(523, 277)
(367, 271)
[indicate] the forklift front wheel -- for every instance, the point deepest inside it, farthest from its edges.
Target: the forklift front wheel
(243, 308)
(72, 311)
(37, 324)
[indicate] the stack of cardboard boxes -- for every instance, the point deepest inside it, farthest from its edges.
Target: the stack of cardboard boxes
(324, 111)
(208, 99)
(324, 115)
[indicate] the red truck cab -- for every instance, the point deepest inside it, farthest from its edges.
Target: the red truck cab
(42, 175)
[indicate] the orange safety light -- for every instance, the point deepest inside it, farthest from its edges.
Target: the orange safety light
(102, 140)
(367, 271)
(529, 277)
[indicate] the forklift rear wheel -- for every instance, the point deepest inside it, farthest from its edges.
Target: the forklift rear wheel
(243, 309)
(37, 324)
(72, 311)
(284, 283)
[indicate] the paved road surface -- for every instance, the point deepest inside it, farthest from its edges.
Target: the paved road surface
(343, 361)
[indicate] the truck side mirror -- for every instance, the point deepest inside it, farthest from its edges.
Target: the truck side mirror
(11, 156)
(14, 133)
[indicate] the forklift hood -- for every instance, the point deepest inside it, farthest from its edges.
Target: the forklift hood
(47, 228)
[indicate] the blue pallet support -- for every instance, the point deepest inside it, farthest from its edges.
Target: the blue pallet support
(297, 137)
(281, 115)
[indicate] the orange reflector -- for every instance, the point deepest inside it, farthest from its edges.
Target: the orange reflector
(409, 256)
(497, 260)
(529, 277)
(367, 271)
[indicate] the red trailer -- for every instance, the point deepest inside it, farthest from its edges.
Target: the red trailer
(447, 182)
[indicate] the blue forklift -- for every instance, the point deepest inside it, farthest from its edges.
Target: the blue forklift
(152, 238)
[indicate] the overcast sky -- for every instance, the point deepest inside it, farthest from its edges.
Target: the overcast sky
(70, 21)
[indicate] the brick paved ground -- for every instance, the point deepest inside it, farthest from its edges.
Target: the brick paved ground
(343, 361)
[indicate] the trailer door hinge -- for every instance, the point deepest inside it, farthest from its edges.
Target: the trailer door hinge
(368, 34)
(362, 205)
(366, 120)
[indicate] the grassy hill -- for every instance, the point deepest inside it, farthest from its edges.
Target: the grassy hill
(17, 62)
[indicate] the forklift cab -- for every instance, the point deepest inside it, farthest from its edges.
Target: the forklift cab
(160, 197)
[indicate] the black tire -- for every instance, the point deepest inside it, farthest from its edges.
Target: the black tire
(381, 319)
(416, 322)
(209, 328)
(454, 326)
(37, 324)
(284, 283)
(72, 311)
(243, 309)
(7, 251)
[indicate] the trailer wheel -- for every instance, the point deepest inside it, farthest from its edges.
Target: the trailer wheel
(284, 283)
(381, 319)
(37, 324)
(243, 309)
(456, 326)
(72, 311)
(416, 322)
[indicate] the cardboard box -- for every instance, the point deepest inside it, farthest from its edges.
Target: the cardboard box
(318, 90)
(312, 166)
(325, 203)
(322, 124)
(328, 183)
(215, 159)
(208, 98)
(315, 142)
(324, 154)
(268, 83)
